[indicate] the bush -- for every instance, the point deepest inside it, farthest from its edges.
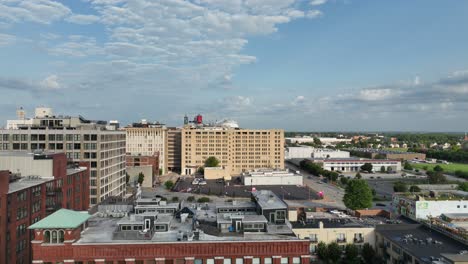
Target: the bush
(400, 186)
(203, 200)
(438, 168)
(414, 188)
(169, 184)
(175, 199)
(190, 199)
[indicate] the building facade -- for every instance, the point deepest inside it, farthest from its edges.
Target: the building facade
(271, 177)
(305, 152)
(174, 146)
(354, 165)
(421, 207)
(147, 140)
(238, 150)
(26, 197)
(81, 140)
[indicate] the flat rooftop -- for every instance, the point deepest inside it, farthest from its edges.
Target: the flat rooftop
(27, 182)
(381, 151)
(268, 200)
(421, 241)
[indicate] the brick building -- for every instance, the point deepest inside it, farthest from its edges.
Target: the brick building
(41, 184)
(239, 232)
(148, 165)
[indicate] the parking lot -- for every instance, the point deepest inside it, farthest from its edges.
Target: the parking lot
(234, 189)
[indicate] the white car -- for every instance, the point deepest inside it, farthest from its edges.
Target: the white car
(202, 182)
(196, 181)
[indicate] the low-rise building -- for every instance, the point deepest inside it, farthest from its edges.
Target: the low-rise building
(304, 152)
(421, 206)
(417, 244)
(272, 177)
(180, 233)
(354, 164)
(386, 154)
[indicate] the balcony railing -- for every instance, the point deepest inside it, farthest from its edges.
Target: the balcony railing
(358, 240)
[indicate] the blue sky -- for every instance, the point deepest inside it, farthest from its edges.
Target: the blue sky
(294, 64)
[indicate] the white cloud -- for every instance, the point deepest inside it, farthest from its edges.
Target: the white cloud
(82, 19)
(6, 39)
(51, 82)
(314, 14)
(39, 11)
(318, 2)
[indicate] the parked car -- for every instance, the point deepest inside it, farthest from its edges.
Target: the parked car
(196, 181)
(220, 180)
(202, 182)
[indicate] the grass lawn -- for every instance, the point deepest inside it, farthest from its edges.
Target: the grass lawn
(396, 149)
(452, 167)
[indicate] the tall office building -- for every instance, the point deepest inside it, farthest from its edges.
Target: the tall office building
(238, 150)
(173, 146)
(82, 140)
(147, 139)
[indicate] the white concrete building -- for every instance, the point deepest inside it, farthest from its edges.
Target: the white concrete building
(326, 141)
(419, 207)
(271, 177)
(305, 152)
(354, 164)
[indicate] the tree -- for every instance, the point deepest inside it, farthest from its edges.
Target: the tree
(190, 198)
(169, 184)
(382, 169)
(211, 162)
(203, 200)
(201, 170)
(358, 176)
(463, 186)
(334, 252)
(414, 188)
(389, 169)
(379, 156)
(407, 166)
(436, 177)
(141, 178)
(367, 167)
(368, 253)
(322, 251)
(438, 168)
(400, 186)
(351, 253)
(334, 176)
(358, 195)
(344, 180)
(317, 141)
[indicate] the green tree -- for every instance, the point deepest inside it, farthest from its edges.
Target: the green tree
(334, 176)
(322, 251)
(211, 162)
(414, 188)
(368, 253)
(367, 167)
(389, 169)
(175, 199)
(358, 195)
(351, 253)
(317, 141)
(382, 169)
(201, 170)
(436, 177)
(400, 186)
(344, 180)
(438, 168)
(141, 178)
(203, 200)
(407, 166)
(334, 252)
(463, 186)
(190, 198)
(169, 184)
(358, 176)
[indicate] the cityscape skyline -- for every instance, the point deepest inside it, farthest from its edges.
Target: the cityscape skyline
(341, 65)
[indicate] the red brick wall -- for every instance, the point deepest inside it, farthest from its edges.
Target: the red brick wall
(4, 178)
(144, 161)
(200, 250)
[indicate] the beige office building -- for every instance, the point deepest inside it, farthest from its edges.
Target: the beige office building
(81, 140)
(146, 141)
(238, 150)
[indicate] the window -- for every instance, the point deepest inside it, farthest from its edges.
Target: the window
(239, 261)
(61, 236)
(296, 260)
(210, 261)
(267, 261)
(54, 237)
(284, 260)
(256, 261)
(227, 261)
(198, 261)
(46, 236)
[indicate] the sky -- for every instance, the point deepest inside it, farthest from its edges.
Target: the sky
(299, 65)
